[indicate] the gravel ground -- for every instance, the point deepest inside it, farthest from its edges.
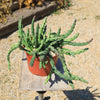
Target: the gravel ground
(87, 65)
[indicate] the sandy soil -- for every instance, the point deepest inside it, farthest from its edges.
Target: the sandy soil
(87, 65)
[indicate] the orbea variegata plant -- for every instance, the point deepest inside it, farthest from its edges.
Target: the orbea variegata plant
(40, 44)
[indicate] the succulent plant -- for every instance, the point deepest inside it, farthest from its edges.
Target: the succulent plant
(40, 44)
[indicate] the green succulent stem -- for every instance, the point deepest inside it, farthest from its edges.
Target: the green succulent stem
(69, 31)
(33, 58)
(73, 38)
(49, 76)
(13, 47)
(66, 71)
(69, 52)
(32, 27)
(76, 44)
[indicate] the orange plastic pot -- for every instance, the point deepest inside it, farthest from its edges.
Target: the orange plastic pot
(35, 68)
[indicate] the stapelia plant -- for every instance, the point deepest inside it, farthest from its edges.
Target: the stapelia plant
(40, 44)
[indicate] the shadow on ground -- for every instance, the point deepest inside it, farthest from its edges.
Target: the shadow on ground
(84, 94)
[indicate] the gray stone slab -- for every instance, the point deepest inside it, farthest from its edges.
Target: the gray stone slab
(29, 81)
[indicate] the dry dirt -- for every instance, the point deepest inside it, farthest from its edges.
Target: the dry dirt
(87, 65)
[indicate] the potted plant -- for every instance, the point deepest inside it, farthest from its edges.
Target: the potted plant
(43, 50)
